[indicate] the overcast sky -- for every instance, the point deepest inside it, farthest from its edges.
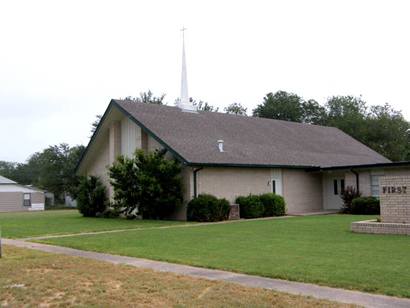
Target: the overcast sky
(62, 61)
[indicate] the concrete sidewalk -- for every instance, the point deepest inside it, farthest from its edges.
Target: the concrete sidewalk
(297, 288)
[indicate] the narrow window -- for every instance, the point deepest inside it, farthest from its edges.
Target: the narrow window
(27, 199)
(342, 186)
(335, 190)
(274, 186)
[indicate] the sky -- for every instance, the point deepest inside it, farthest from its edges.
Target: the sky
(62, 61)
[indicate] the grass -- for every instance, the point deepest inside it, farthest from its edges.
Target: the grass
(30, 224)
(32, 278)
(315, 249)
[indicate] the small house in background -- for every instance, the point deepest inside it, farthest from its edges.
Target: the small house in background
(15, 197)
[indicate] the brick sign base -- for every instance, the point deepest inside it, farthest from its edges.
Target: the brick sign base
(394, 208)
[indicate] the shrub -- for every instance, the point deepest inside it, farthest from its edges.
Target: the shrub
(148, 183)
(366, 206)
(91, 196)
(274, 205)
(250, 206)
(208, 208)
(348, 195)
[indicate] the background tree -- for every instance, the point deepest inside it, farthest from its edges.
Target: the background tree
(236, 108)
(313, 113)
(203, 106)
(147, 98)
(281, 106)
(52, 169)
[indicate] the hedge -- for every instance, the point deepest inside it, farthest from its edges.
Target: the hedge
(254, 206)
(366, 206)
(208, 208)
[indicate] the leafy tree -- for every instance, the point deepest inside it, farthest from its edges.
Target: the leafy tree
(281, 106)
(236, 108)
(387, 132)
(203, 106)
(313, 113)
(347, 113)
(94, 125)
(148, 183)
(147, 98)
(91, 197)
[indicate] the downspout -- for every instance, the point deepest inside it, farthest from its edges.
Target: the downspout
(357, 179)
(195, 181)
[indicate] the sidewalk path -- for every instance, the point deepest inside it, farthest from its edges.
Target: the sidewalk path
(298, 288)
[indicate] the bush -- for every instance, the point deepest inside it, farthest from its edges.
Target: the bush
(208, 208)
(147, 184)
(91, 196)
(274, 205)
(366, 206)
(250, 206)
(348, 195)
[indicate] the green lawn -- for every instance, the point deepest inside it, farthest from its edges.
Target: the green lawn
(27, 224)
(317, 249)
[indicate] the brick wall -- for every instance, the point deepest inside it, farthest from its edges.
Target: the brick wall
(395, 199)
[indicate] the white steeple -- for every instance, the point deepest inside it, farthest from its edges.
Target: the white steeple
(184, 102)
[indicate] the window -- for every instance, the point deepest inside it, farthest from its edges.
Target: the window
(374, 185)
(27, 199)
(342, 186)
(335, 190)
(274, 186)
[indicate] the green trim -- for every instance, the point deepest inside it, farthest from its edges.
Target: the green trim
(364, 166)
(252, 166)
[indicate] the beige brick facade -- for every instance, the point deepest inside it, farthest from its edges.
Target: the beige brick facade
(302, 191)
(395, 199)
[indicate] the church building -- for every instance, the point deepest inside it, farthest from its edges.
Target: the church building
(232, 155)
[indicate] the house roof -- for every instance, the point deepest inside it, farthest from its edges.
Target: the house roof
(248, 141)
(4, 180)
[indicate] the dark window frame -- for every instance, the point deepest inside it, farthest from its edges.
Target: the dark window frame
(26, 202)
(274, 186)
(335, 187)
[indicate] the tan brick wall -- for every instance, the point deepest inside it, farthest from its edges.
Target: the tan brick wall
(230, 183)
(374, 227)
(302, 191)
(395, 206)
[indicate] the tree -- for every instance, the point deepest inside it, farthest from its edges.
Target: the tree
(203, 106)
(236, 108)
(148, 183)
(313, 113)
(91, 197)
(147, 98)
(281, 106)
(387, 132)
(94, 125)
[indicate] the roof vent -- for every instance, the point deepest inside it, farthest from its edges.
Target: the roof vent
(221, 145)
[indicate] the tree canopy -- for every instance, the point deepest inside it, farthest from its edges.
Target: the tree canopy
(382, 128)
(236, 108)
(52, 169)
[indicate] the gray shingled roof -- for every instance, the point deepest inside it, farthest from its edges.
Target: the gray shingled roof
(4, 180)
(249, 140)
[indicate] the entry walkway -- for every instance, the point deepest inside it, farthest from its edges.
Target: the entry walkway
(297, 288)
